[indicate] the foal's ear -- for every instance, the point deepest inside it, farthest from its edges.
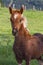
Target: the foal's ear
(22, 9)
(10, 10)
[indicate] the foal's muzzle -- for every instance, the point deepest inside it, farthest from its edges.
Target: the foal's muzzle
(14, 31)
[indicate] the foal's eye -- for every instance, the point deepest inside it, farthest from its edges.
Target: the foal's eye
(20, 20)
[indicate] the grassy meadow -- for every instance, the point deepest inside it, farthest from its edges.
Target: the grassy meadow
(35, 24)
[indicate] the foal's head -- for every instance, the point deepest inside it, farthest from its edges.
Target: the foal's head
(17, 19)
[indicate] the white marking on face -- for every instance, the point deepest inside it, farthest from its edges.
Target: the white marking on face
(15, 16)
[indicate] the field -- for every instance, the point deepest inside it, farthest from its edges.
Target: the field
(35, 24)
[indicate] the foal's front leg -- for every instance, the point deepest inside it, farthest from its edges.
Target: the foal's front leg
(19, 61)
(27, 62)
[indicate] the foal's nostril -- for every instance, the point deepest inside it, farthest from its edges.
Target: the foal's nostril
(14, 31)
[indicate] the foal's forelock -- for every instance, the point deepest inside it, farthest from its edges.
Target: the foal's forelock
(16, 15)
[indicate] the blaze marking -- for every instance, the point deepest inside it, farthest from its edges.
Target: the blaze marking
(15, 16)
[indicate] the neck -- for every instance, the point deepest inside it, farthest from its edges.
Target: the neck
(24, 31)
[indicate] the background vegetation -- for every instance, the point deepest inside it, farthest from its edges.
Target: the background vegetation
(35, 24)
(29, 4)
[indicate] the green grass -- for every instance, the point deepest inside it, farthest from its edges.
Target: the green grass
(35, 21)
(35, 24)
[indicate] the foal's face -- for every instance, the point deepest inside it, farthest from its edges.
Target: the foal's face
(16, 19)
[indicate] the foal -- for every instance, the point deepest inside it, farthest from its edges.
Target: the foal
(26, 46)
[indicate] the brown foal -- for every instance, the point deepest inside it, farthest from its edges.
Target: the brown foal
(26, 46)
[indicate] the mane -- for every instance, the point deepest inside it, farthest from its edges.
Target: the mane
(26, 23)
